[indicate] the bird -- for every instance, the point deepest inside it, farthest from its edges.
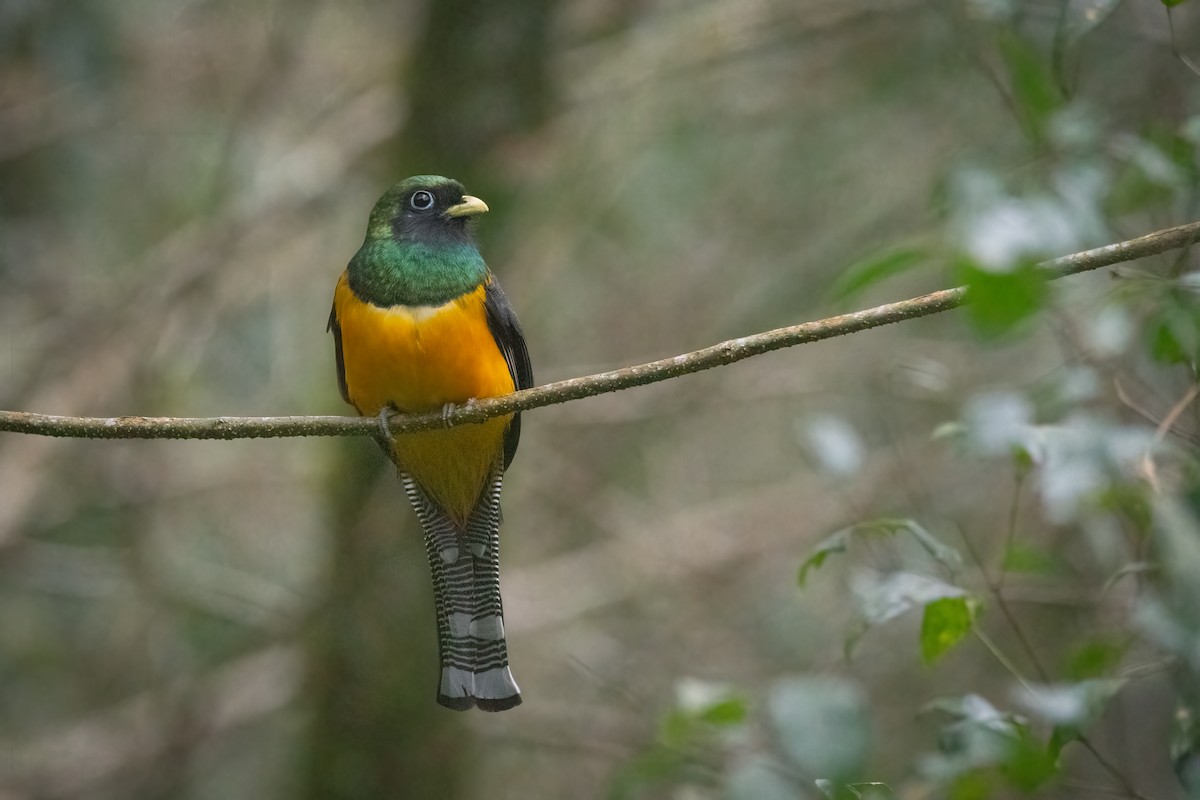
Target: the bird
(420, 323)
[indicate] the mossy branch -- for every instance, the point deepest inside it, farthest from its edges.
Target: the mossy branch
(575, 388)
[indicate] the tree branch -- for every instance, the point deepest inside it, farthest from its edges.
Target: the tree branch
(574, 388)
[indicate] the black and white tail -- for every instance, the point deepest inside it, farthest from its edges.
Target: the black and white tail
(465, 565)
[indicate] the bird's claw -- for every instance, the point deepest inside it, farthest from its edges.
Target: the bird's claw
(449, 409)
(384, 413)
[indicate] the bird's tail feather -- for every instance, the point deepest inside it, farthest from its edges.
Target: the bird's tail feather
(465, 566)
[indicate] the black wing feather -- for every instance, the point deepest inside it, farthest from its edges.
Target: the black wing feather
(337, 353)
(506, 330)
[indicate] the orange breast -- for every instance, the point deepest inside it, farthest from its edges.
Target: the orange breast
(419, 359)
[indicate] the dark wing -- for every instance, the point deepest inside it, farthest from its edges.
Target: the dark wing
(502, 322)
(337, 353)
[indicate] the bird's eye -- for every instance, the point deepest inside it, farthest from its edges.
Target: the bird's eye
(421, 200)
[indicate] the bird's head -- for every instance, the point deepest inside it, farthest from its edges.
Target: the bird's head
(425, 209)
(419, 249)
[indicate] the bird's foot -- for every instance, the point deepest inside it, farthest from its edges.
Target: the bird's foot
(384, 413)
(449, 409)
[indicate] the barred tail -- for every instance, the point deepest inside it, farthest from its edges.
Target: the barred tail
(465, 565)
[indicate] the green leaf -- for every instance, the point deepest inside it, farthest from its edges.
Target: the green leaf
(1026, 559)
(654, 767)
(867, 790)
(1164, 345)
(1094, 658)
(676, 728)
(1155, 170)
(944, 624)
(1133, 191)
(699, 706)
(1175, 331)
(972, 708)
(873, 269)
(882, 599)
(839, 542)
(1023, 461)
(1060, 737)
(1033, 85)
(725, 714)
(836, 543)
(944, 554)
(1173, 3)
(998, 301)
(984, 738)
(1030, 764)
(694, 727)
(979, 736)
(976, 784)
(1133, 503)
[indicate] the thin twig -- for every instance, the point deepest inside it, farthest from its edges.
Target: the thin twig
(1111, 768)
(1145, 414)
(1013, 512)
(1147, 467)
(1172, 416)
(575, 388)
(1004, 660)
(1002, 604)
(1031, 654)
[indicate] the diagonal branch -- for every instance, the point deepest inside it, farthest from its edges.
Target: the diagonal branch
(575, 388)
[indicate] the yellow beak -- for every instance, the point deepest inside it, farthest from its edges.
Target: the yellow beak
(469, 207)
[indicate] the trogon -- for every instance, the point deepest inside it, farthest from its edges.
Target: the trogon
(420, 323)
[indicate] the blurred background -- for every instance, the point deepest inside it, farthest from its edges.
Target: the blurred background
(181, 184)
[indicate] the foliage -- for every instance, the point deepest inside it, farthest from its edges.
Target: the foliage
(1124, 490)
(817, 728)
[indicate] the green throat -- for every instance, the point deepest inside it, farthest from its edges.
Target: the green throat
(386, 272)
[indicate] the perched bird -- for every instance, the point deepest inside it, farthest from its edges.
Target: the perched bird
(419, 323)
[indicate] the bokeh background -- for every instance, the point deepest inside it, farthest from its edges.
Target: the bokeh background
(181, 184)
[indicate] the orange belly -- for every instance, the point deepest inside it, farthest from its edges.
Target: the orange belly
(419, 359)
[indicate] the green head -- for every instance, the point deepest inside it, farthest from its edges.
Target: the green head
(419, 250)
